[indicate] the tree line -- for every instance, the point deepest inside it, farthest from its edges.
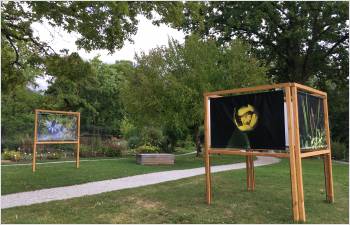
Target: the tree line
(228, 45)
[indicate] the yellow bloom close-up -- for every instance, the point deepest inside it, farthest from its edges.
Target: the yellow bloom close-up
(246, 118)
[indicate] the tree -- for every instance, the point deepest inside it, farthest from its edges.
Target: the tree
(298, 40)
(17, 116)
(101, 25)
(168, 84)
(89, 87)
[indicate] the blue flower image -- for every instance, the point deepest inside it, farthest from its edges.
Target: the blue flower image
(55, 127)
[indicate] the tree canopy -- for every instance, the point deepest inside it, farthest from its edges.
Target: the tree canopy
(299, 40)
(168, 83)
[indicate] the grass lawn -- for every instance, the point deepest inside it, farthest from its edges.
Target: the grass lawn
(183, 201)
(19, 178)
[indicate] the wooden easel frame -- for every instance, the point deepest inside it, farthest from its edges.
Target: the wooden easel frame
(36, 142)
(295, 154)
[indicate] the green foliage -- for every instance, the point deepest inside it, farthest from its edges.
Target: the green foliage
(128, 129)
(12, 155)
(17, 116)
(134, 141)
(338, 103)
(84, 151)
(340, 151)
(187, 143)
(298, 40)
(114, 147)
(147, 148)
(54, 155)
(152, 135)
(100, 25)
(112, 152)
(168, 83)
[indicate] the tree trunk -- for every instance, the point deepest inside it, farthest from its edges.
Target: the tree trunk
(197, 140)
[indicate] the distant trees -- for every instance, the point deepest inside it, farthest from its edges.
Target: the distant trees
(168, 84)
(76, 85)
(305, 42)
(299, 41)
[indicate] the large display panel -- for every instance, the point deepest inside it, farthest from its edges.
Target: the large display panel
(250, 121)
(56, 127)
(311, 121)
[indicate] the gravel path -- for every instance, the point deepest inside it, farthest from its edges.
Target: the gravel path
(92, 188)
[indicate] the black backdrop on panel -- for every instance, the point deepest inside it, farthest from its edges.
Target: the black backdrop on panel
(250, 121)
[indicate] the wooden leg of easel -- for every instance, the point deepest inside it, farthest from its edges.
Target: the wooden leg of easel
(299, 173)
(294, 188)
(208, 177)
(327, 161)
(34, 158)
(291, 112)
(247, 172)
(78, 156)
(297, 154)
(250, 173)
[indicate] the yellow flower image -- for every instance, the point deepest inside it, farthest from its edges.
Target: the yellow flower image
(245, 118)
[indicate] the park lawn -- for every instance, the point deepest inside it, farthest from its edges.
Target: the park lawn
(183, 201)
(19, 178)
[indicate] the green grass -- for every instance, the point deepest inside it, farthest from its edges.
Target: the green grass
(183, 201)
(20, 178)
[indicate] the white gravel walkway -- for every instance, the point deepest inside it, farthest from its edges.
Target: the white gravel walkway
(92, 188)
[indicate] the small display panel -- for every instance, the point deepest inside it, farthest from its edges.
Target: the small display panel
(56, 127)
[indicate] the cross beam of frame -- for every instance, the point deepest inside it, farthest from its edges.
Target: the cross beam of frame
(36, 142)
(295, 155)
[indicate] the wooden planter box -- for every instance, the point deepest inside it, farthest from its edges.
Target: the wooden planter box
(155, 159)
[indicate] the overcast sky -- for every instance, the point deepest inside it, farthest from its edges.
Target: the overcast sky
(148, 36)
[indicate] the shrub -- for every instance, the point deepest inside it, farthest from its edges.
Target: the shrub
(27, 156)
(84, 151)
(339, 150)
(12, 155)
(111, 152)
(54, 155)
(187, 143)
(114, 147)
(153, 136)
(147, 148)
(134, 142)
(128, 129)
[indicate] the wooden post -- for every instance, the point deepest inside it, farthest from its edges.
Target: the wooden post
(206, 151)
(250, 173)
(297, 153)
(78, 144)
(35, 140)
(327, 158)
(293, 177)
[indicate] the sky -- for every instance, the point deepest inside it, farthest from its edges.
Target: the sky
(147, 37)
